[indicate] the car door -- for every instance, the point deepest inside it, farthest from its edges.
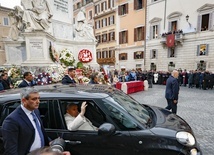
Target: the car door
(87, 142)
(6, 109)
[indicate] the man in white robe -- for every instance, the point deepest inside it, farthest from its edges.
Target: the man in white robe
(76, 120)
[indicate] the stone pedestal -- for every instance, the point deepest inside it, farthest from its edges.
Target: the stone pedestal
(37, 48)
(15, 52)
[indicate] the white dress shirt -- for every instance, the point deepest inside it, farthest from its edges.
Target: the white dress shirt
(37, 142)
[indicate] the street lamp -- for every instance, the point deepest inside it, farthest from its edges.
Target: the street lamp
(187, 19)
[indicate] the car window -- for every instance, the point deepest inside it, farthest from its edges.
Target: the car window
(130, 105)
(122, 120)
(53, 119)
(93, 113)
(8, 108)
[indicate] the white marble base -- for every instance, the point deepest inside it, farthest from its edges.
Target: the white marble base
(37, 48)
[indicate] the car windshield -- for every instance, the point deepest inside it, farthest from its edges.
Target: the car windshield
(130, 105)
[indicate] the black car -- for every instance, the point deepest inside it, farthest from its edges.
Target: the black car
(125, 127)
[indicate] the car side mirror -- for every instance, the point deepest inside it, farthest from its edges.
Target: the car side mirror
(106, 129)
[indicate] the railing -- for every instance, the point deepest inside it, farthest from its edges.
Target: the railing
(106, 60)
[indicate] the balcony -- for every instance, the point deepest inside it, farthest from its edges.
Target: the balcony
(179, 37)
(106, 60)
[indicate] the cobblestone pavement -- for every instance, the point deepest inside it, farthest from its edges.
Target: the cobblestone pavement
(196, 106)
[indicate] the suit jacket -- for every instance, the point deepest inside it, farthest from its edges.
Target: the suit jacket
(172, 88)
(67, 80)
(25, 84)
(78, 123)
(5, 84)
(18, 133)
(1, 86)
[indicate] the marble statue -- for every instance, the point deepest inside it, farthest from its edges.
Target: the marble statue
(37, 14)
(83, 29)
(17, 24)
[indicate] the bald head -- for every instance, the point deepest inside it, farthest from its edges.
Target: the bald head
(175, 74)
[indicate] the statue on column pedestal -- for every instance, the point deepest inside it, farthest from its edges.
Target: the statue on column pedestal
(17, 24)
(37, 14)
(84, 30)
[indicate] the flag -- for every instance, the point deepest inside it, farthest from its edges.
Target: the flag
(170, 40)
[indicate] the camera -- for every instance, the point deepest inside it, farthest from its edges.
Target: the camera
(58, 145)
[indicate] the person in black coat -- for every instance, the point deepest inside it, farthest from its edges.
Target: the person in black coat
(4, 81)
(93, 79)
(19, 128)
(28, 80)
(69, 79)
(172, 91)
(1, 86)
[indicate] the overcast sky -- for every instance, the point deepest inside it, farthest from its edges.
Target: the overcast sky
(10, 3)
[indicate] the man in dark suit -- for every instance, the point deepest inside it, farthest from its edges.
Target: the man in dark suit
(172, 91)
(28, 80)
(5, 81)
(93, 79)
(22, 130)
(69, 79)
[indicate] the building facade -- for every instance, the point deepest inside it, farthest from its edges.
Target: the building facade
(105, 32)
(4, 31)
(120, 42)
(179, 35)
(131, 34)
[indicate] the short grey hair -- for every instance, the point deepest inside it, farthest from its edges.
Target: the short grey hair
(174, 72)
(25, 92)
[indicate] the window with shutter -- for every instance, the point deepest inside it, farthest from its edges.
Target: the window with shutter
(120, 37)
(119, 10)
(126, 33)
(109, 3)
(154, 31)
(124, 37)
(127, 8)
(205, 22)
(135, 34)
(202, 49)
(101, 6)
(6, 21)
(138, 55)
(153, 54)
(143, 33)
(123, 9)
(123, 56)
(171, 52)
(138, 4)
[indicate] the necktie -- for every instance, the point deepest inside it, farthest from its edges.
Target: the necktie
(38, 127)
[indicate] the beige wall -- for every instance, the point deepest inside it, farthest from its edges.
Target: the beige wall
(4, 32)
(130, 21)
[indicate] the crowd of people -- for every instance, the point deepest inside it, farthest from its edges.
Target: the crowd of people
(193, 78)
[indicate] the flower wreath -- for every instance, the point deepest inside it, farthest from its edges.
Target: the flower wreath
(43, 79)
(67, 57)
(53, 54)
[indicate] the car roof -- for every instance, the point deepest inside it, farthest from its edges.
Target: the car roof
(59, 91)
